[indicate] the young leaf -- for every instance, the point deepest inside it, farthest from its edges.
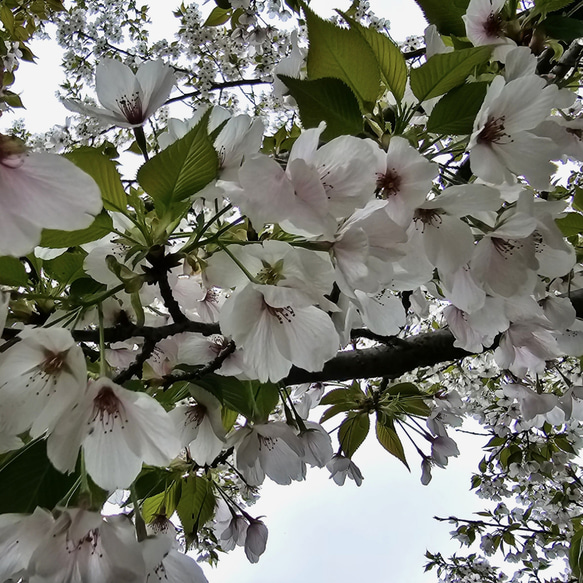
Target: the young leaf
(342, 54)
(196, 506)
(447, 16)
(388, 55)
(327, 99)
(353, 432)
(28, 479)
(456, 111)
(182, 169)
(66, 267)
(12, 272)
(570, 225)
(443, 72)
(100, 227)
(218, 16)
(391, 441)
(163, 503)
(104, 172)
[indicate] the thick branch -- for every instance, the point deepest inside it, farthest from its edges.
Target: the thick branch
(394, 360)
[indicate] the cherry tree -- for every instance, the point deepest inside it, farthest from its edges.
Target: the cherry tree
(337, 235)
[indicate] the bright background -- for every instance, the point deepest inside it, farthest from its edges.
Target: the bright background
(319, 532)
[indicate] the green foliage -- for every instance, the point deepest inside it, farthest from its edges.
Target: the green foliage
(55, 239)
(447, 16)
(196, 506)
(105, 174)
(562, 27)
(389, 58)
(218, 16)
(28, 479)
(12, 272)
(162, 504)
(571, 225)
(455, 112)
(576, 554)
(182, 169)
(65, 268)
(252, 399)
(329, 100)
(343, 54)
(353, 432)
(390, 440)
(443, 72)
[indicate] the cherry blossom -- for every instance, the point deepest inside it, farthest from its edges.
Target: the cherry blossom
(128, 99)
(41, 191)
(118, 430)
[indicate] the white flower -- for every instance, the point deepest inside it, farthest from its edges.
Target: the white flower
(166, 563)
(278, 327)
(41, 191)
(341, 467)
(273, 449)
(119, 430)
(83, 547)
(129, 99)
(484, 24)
(404, 178)
(41, 377)
(317, 445)
(19, 537)
(201, 426)
(256, 540)
(501, 144)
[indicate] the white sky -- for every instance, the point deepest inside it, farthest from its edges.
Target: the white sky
(320, 532)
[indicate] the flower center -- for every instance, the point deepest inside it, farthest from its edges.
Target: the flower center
(271, 274)
(493, 131)
(131, 108)
(196, 413)
(388, 184)
(505, 247)
(53, 363)
(493, 25)
(285, 314)
(428, 217)
(268, 443)
(107, 407)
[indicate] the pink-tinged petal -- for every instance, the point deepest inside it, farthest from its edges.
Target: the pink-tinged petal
(448, 242)
(306, 145)
(49, 191)
(104, 115)
(487, 165)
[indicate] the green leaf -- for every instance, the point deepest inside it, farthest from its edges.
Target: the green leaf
(570, 225)
(562, 27)
(578, 198)
(329, 100)
(576, 554)
(337, 396)
(391, 441)
(99, 228)
(218, 16)
(447, 16)
(104, 172)
(551, 5)
(28, 480)
(405, 389)
(343, 54)
(389, 58)
(66, 267)
(335, 410)
(12, 272)
(196, 506)
(353, 432)
(455, 112)
(163, 503)
(443, 72)
(182, 169)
